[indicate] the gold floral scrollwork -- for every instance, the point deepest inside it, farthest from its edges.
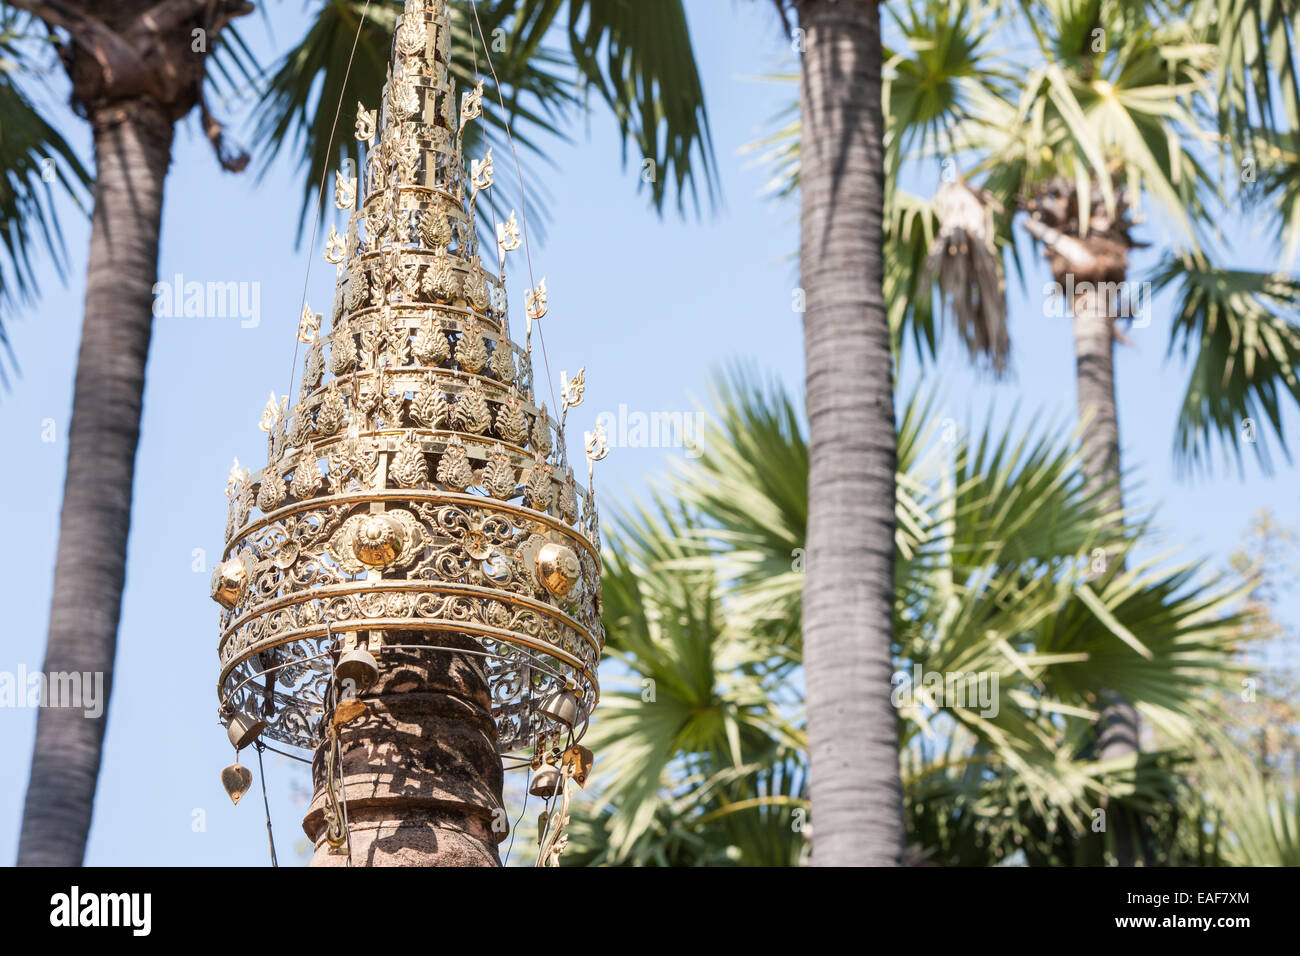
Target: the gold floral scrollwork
(409, 467)
(411, 35)
(481, 172)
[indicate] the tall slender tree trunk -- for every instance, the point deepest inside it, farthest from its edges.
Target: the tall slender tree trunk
(1094, 348)
(1094, 345)
(848, 594)
(132, 150)
(421, 775)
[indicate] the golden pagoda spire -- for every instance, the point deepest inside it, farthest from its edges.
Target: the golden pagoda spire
(415, 493)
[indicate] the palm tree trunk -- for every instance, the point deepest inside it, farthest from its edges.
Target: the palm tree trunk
(421, 775)
(848, 595)
(1094, 344)
(132, 144)
(1094, 347)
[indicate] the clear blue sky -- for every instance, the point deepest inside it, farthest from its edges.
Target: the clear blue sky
(650, 306)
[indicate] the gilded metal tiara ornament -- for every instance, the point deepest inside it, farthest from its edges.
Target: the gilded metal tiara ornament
(416, 485)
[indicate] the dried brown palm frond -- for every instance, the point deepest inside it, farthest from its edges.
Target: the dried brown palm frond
(965, 263)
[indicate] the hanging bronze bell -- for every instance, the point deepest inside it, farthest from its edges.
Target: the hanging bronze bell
(357, 670)
(561, 706)
(244, 728)
(545, 782)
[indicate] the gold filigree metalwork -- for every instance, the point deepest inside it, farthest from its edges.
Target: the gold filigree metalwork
(416, 485)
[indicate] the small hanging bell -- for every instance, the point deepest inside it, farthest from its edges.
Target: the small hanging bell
(357, 667)
(545, 782)
(244, 728)
(561, 706)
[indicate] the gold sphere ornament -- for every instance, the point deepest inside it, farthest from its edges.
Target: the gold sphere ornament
(557, 568)
(378, 540)
(228, 580)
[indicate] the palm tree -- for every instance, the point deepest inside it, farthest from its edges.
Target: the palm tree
(701, 755)
(849, 584)
(1104, 114)
(1112, 114)
(137, 68)
(135, 71)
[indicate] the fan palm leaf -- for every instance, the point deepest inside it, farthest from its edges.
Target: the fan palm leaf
(1241, 330)
(998, 590)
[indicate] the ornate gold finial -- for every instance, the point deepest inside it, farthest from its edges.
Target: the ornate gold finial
(597, 448)
(236, 480)
(535, 301)
(507, 236)
(421, 409)
(345, 191)
(365, 124)
(273, 412)
(571, 391)
(335, 247)
(482, 173)
(308, 324)
(471, 106)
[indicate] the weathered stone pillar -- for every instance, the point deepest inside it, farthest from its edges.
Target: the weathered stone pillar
(421, 773)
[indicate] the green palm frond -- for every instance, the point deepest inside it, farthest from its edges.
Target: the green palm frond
(1243, 330)
(1011, 580)
(751, 480)
(1127, 112)
(233, 68)
(941, 75)
(1274, 166)
(750, 816)
(37, 164)
(1023, 585)
(1257, 71)
(910, 230)
(638, 57)
(963, 807)
(1260, 818)
(697, 709)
